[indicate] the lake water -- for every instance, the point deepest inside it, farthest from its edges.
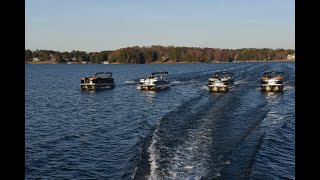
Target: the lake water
(184, 132)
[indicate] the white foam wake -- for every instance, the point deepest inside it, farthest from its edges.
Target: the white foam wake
(153, 155)
(204, 88)
(130, 82)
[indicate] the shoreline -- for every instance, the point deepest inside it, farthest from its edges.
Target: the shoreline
(168, 62)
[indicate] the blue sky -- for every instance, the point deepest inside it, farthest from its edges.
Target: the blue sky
(96, 25)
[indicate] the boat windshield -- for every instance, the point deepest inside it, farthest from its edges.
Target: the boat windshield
(224, 74)
(159, 74)
(103, 74)
(273, 74)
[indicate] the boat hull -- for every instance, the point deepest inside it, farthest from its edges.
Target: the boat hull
(272, 88)
(219, 88)
(271, 85)
(97, 86)
(153, 87)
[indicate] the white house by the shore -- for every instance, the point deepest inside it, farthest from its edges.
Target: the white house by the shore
(291, 56)
(35, 59)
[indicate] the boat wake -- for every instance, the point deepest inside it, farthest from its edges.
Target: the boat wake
(286, 88)
(204, 88)
(153, 155)
(131, 82)
(175, 82)
(241, 82)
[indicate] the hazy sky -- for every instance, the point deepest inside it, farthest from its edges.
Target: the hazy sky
(96, 25)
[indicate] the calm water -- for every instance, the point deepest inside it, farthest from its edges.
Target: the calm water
(184, 132)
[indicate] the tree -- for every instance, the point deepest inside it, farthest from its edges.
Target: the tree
(103, 56)
(27, 55)
(58, 58)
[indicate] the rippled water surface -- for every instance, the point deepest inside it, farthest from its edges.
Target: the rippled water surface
(184, 132)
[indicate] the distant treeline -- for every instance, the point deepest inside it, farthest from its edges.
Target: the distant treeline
(160, 54)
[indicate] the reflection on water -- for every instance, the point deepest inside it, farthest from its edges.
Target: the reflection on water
(149, 93)
(92, 92)
(286, 88)
(206, 88)
(273, 97)
(149, 96)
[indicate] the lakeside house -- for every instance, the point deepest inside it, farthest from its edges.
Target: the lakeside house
(289, 56)
(35, 59)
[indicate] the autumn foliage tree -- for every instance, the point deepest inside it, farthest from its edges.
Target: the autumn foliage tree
(157, 53)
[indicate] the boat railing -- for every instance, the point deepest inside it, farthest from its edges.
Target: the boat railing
(160, 72)
(107, 74)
